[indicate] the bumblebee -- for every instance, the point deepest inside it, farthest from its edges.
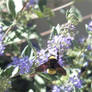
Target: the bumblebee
(52, 66)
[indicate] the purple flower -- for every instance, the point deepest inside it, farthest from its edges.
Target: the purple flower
(60, 61)
(24, 64)
(90, 26)
(1, 37)
(32, 2)
(76, 81)
(56, 89)
(81, 40)
(2, 46)
(62, 88)
(60, 42)
(66, 88)
(52, 51)
(1, 33)
(69, 26)
(42, 57)
(89, 47)
(72, 27)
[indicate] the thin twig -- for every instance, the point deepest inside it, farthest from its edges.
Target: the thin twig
(63, 6)
(45, 33)
(8, 29)
(87, 17)
(55, 9)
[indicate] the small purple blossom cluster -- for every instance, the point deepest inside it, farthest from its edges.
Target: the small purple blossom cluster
(42, 57)
(63, 88)
(23, 63)
(56, 88)
(59, 43)
(66, 88)
(73, 81)
(2, 47)
(32, 2)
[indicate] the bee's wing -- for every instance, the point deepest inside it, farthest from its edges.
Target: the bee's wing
(60, 69)
(42, 67)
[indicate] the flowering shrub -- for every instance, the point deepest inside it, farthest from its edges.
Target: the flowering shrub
(64, 65)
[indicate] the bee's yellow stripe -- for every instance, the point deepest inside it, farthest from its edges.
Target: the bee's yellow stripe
(52, 57)
(51, 71)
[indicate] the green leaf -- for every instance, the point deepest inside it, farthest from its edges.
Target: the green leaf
(54, 32)
(24, 50)
(31, 54)
(14, 6)
(7, 71)
(48, 77)
(39, 80)
(39, 13)
(30, 90)
(39, 84)
(11, 7)
(28, 51)
(1, 71)
(15, 71)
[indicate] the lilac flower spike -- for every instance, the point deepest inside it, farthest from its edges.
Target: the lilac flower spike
(89, 47)
(62, 88)
(81, 40)
(42, 57)
(66, 88)
(56, 89)
(59, 43)
(76, 81)
(24, 64)
(32, 2)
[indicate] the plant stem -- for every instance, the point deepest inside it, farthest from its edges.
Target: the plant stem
(15, 20)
